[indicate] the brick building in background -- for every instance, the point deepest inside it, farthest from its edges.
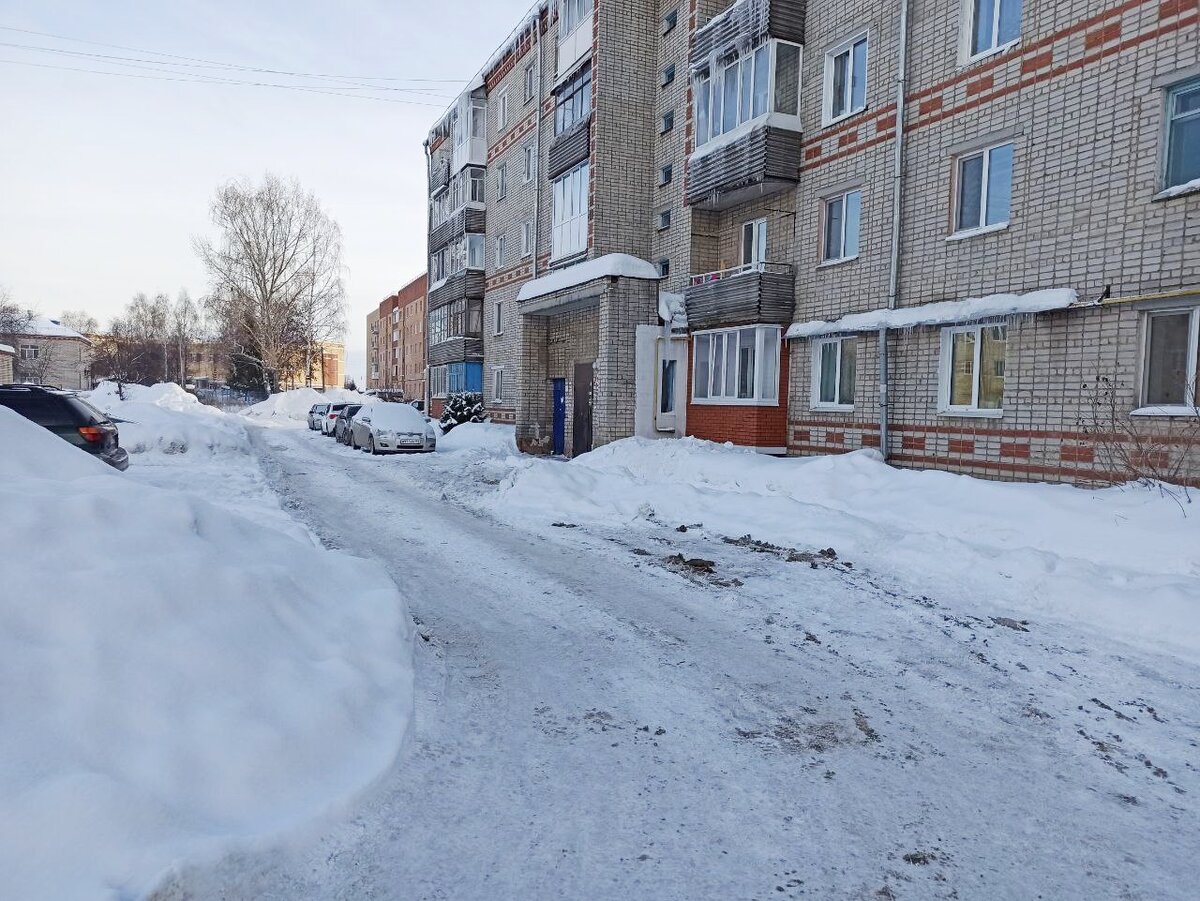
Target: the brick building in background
(396, 360)
(1010, 228)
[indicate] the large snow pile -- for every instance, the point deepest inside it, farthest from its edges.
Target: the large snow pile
(479, 436)
(291, 407)
(1124, 559)
(175, 678)
(166, 418)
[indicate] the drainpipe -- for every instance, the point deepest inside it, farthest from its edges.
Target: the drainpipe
(897, 194)
(537, 171)
(428, 226)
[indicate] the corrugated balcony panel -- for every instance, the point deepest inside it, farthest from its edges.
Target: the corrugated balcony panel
(746, 23)
(456, 350)
(439, 177)
(767, 296)
(467, 283)
(570, 148)
(764, 161)
(468, 219)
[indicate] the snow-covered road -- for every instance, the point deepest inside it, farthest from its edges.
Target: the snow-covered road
(595, 722)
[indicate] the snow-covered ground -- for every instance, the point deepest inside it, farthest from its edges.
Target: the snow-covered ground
(677, 671)
(177, 678)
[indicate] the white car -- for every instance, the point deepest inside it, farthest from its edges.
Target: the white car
(329, 420)
(392, 429)
(315, 414)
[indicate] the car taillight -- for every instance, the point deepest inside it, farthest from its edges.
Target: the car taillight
(333, 416)
(91, 434)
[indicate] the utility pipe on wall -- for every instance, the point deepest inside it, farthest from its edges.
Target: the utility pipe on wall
(897, 196)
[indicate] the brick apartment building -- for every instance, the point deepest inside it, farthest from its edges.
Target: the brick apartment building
(396, 342)
(952, 229)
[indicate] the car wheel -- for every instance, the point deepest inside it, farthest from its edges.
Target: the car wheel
(371, 445)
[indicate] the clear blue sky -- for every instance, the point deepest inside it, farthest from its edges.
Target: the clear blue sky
(105, 179)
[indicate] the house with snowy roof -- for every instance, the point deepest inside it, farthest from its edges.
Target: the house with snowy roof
(8, 356)
(50, 353)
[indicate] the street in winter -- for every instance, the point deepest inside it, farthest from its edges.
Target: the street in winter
(600, 449)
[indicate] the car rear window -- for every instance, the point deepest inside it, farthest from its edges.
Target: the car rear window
(48, 410)
(333, 407)
(89, 414)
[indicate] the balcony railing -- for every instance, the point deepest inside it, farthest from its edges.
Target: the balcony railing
(762, 161)
(755, 293)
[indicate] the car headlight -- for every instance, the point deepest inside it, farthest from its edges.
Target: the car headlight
(384, 434)
(429, 435)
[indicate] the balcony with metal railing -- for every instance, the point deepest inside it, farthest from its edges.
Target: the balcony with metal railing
(763, 292)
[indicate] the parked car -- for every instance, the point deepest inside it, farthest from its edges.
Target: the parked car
(316, 415)
(341, 426)
(331, 415)
(70, 417)
(392, 428)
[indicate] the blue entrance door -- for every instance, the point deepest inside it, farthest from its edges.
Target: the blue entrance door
(560, 417)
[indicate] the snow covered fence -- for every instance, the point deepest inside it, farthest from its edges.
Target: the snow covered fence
(176, 678)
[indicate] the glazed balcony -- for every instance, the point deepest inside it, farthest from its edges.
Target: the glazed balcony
(763, 293)
(467, 219)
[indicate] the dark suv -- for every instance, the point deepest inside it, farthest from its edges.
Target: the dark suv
(69, 417)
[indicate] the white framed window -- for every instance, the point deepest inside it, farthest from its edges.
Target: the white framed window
(569, 213)
(477, 185)
(437, 381)
(527, 238)
(498, 318)
(983, 198)
(759, 82)
(1170, 347)
(971, 376)
(1183, 134)
(737, 366)
(502, 109)
(846, 79)
(530, 82)
(570, 14)
(754, 242)
(475, 251)
(573, 101)
(497, 384)
(502, 181)
(530, 162)
(30, 351)
(839, 232)
(501, 255)
(834, 369)
(991, 26)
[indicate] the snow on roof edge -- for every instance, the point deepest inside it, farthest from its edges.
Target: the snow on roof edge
(7, 349)
(612, 265)
(940, 313)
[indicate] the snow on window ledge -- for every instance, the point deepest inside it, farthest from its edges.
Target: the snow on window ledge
(1188, 187)
(1176, 411)
(734, 402)
(833, 408)
(839, 261)
(967, 233)
(968, 411)
(990, 52)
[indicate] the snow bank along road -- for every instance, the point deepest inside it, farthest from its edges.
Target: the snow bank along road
(596, 720)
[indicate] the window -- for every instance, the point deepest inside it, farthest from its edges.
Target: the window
(840, 233)
(569, 218)
(666, 386)
(500, 254)
(754, 242)
(29, 351)
(460, 319)
(502, 181)
(666, 174)
(437, 381)
(1169, 369)
(846, 79)
(527, 238)
(737, 366)
(502, 109)
(573, 101)
(464, 377)
(570, 14)
(498, 318)
(475, 178)
(984, 188)
(740, 91)
(664, 219)
(664, 268)
(530, 82)
(994, 25)
(834, 363)
(668, 122)
(1183, 134)
(497, 384)
(530, 162)
(668, 75)
(972, 369)
(670, 20)
(475, 248)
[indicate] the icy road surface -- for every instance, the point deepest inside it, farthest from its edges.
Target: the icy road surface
(595, 722)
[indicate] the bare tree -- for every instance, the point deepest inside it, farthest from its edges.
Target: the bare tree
(185, 328)
(276, 273)
(80, 321)
(14, 321)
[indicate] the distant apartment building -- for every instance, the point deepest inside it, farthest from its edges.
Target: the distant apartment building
(396, 361)
(50, 353)
(953, 230)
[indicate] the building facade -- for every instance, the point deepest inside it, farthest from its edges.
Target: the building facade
(8, 357)
(953, 230)
(396, 359)
(50, 353)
